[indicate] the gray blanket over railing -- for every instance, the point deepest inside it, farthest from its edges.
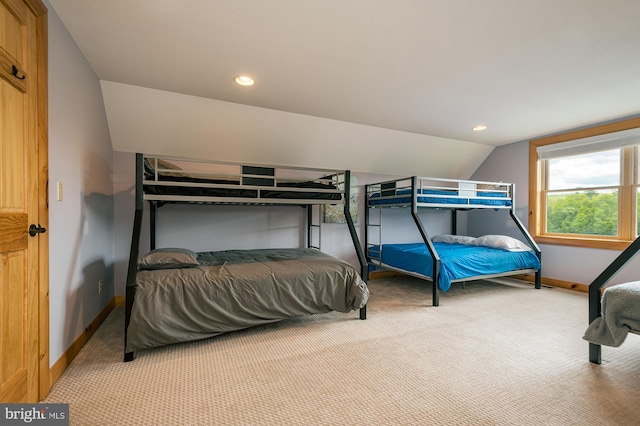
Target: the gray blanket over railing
(620, 314)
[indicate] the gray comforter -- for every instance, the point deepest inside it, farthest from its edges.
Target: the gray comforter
(236, 289)
(620, 314)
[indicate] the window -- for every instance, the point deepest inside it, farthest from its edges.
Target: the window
(584, 187)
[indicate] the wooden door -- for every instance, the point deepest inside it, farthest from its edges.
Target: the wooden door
(21, 178)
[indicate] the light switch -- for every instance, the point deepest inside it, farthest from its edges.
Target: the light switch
(59, 187)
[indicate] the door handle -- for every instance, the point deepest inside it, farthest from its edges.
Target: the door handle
(33, 230)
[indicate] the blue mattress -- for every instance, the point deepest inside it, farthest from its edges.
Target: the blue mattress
(444, 197)
(457, 261)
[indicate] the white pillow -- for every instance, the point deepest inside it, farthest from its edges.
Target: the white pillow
(501, 242)
(453, 239)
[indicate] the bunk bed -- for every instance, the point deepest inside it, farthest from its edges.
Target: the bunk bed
(615, 311)
(448, 258)
(177, 295)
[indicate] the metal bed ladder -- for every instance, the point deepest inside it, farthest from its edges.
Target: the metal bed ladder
(312, 226)
(369, 226)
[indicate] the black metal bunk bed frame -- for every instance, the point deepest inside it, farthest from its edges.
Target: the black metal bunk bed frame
(389, 189)
(156, 202)
(595, 292)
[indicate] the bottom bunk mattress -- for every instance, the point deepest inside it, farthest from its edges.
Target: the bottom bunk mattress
(457, 261)
(235, 289)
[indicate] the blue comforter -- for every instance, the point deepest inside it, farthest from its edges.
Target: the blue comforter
(457, 261)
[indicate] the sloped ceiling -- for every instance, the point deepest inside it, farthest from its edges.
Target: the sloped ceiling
(207, 128)
(390, 81)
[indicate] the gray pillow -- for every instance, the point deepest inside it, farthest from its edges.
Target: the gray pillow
(168, 258)
(453, 239)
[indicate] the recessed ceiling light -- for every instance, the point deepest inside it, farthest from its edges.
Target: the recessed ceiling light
(244, 80)
(479, 128)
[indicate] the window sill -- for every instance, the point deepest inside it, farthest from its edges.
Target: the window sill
(583, 242)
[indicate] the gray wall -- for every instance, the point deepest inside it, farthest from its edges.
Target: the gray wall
(510, 163)
(81, 225)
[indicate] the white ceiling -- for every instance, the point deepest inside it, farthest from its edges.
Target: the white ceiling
(524, 68)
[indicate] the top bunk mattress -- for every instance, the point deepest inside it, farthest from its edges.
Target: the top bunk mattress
(168, 181)
(442, 193)
(453, 197)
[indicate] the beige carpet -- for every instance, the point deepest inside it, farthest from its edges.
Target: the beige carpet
(490, 354)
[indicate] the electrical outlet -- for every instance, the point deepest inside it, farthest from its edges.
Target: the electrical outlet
(100, 287)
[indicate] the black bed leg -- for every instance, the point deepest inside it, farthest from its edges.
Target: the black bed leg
(128, 356)
(595, 353)
(363, 312)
